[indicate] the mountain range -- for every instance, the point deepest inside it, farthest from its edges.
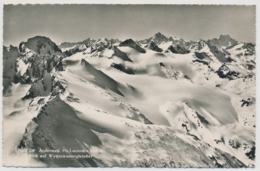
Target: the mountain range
(157, 102)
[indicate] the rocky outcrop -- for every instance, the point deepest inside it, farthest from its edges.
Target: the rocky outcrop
(121, 54)
(122, 68)
(153, 46)
(132, 44)
(76, 49)
(225, 73)
(223, 41)
(203, 56)
(178, 49)
(40, 87)
(219, 55)
(159, 38)
(250, 49)
(10, 54)
(30, 61)
(198, 45)
(53, 131)
(42, 63)
(40, 45)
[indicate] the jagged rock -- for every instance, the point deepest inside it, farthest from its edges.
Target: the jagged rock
(10, 54)
(122, 68)
(19, 67)
(223, 41)
(251, 153)
(234, 143)
(41, 87)
(198, 45)
(132, 44)
(159, 38)
(219, 55)
(225, 72)
(121, 54)
(76, 49)
(42, 63)
(250, 49)
(178, 49)
(153, 46)
(203, 56)
(247, 101)
(40, 45)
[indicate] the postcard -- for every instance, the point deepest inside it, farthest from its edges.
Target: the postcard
(129, 85)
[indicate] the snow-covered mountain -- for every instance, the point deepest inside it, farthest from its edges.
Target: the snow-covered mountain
(157, 102)
(222, 42)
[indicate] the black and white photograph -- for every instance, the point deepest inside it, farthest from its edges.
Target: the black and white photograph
(129, 85)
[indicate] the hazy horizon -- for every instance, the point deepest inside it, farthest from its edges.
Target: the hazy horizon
(73, 23)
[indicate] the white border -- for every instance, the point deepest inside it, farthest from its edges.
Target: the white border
(248, 2)
(202, 2)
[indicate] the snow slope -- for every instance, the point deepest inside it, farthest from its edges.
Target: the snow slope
(127, 105)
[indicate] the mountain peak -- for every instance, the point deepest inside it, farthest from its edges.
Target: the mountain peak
(132, 44)
(159, 38)
(223, 41)
(41, 45)
(158, 34)
(224, 36)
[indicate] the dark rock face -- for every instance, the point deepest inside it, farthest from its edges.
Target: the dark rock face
(76, 49)
(71, 51)
(234, 143)
(226, 40)
(198, 45)
(132, 44)
(219, 55)
(250, 49)
(159, 38)
(41, 87)
(121, 54)
(247, 101)
(42, 63)
(250, 66)
(251, 153)
(225, 73)
(178, 49)
(200, 61)
(122, 68)
(161, 64)
(153, 46)
(41, 45)
(53, 136)
(203, 56)
(47, 57)
(223, 40)
(9, 66)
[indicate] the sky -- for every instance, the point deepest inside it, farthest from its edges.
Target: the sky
(72, 23)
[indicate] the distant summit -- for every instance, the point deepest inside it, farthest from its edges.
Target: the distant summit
(132, 44)
(153, 46)
(40, 45)
(223, 41)
(159, 38)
